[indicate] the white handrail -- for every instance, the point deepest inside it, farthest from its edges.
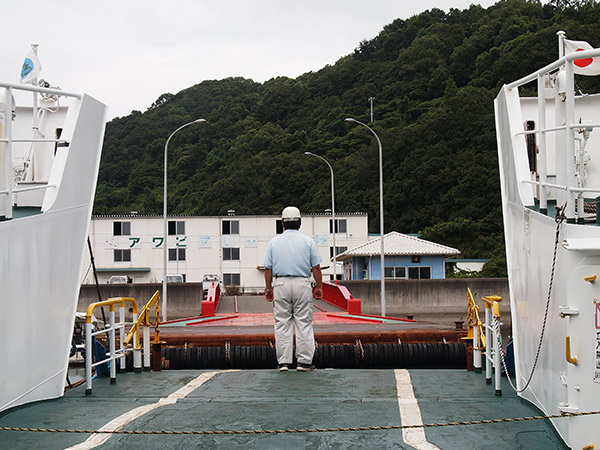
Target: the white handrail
(31, 188)
(555, 65)
(58, 141)
(40, 90)
(561, 187)
(560, 128)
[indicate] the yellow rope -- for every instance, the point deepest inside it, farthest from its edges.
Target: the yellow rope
(301, 430)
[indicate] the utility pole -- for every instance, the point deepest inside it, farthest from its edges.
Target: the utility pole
(371, 100)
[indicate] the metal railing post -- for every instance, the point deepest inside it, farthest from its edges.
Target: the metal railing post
(136, 347)
(476, 349)
(112, 345)
(147, 366)
(88, 358)
(137, 363)
(121, 337)
(489, 349)
(497, 350)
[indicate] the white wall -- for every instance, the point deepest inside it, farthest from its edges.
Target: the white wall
(204, 244)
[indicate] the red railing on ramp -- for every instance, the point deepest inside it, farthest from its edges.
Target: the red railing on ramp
(339, 296)
(210, 305)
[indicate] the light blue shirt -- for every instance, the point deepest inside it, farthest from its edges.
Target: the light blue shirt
(292, 253)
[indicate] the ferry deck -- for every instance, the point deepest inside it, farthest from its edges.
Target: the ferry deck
(263, 409)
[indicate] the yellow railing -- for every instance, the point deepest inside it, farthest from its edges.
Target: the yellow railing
(143, 321)
(475, 330)
(114, 353)
(111, 302)
(486, 337)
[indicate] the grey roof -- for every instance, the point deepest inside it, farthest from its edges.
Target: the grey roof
(399, 244)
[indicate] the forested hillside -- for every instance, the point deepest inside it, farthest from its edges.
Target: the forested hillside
(434, 77)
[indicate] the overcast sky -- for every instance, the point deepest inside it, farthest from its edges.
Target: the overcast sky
(127, 53)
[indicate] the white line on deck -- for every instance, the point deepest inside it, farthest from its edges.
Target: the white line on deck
(410, 413)
(119, 422)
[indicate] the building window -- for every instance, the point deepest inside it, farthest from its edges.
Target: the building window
(395, 273)
(176, 227)
(122, 255)
(231, 254)
(414, 273)
(419, 273)
(231, 227)
(338, 250)
(340, 226)
(121, 228)
(230, 279)
(177, 254)
(278, 226)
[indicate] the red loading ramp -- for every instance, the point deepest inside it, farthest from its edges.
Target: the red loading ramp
(341, 297)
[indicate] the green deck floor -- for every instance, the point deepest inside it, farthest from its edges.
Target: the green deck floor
(266, 400)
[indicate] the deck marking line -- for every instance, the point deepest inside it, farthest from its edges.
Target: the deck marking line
(410, 414)
(119, 422)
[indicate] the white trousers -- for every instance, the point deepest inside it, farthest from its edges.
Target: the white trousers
(293, 308)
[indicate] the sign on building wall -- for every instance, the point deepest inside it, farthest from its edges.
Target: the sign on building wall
(111, 242)
(181, 241)
(227, 241)
(204, 242)
(321, 240)
(157, 242)
(135, 242)
(251, 242)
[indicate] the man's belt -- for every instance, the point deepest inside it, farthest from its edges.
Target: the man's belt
(290, 276)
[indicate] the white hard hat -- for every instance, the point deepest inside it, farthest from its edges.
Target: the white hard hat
(290, 213)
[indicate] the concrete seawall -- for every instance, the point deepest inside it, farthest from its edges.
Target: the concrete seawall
(438, 301)
(183, 300)
(426, 296)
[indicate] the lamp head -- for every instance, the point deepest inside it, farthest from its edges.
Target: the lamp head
(349, 120)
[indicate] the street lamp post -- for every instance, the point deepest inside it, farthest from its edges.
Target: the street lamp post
(333, 224)
(165, 246)
(350, 120)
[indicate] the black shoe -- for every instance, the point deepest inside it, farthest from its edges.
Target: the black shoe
(283, 368)
(306, 368)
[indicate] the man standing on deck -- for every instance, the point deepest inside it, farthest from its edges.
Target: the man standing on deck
(290, 259)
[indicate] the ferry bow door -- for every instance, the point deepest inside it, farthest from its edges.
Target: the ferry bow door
(581, 343)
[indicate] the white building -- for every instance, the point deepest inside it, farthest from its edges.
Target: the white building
(232, 247)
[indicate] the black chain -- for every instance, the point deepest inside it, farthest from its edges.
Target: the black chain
(559, 219)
